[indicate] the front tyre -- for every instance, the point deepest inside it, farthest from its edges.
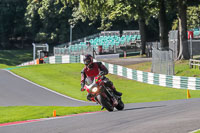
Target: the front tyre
(120, 105)
(105, 103)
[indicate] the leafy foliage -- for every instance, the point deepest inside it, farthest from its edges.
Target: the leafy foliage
(11, 22)
(49, 19)
(193, 19)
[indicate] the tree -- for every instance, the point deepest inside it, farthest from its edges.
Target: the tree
(164, 11)
(193, 17)
(163, 25)
(32, 18)
(140, 12)
(182, 18)
(183, 22)
(48, 20)
(12, 28)
(112, 10)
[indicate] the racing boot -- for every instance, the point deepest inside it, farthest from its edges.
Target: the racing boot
(102, 107)
(117, 92)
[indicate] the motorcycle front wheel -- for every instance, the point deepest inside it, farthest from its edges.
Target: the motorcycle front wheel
(120, 105)
(105, 103)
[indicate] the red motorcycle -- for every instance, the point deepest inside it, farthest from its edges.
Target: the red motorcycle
(102, 94)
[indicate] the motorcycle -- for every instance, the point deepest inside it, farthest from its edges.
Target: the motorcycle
(102, 94)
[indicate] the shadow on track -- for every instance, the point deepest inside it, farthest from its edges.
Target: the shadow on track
(143, 107)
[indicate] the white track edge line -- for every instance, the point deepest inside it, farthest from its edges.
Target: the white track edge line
(45, 87)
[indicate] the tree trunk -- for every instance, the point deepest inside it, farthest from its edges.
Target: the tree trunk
(163, 25)
(183, 52)
(142, 28)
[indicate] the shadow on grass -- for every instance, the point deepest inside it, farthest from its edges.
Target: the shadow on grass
(179, 71)
(15, 57)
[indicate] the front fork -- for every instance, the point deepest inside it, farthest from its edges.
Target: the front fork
(109, 95)
(112, 97)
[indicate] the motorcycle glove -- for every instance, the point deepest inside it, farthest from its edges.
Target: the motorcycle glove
(82, 86)
(82, 89)
(101, 73)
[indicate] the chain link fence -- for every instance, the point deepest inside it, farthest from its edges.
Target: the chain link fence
(193, 44)
(173, 42)
(162, 59)
(194, 48)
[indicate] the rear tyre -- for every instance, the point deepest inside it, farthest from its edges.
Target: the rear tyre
(105, 103)
(120, 105)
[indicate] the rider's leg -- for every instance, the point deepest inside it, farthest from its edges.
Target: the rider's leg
(110, 84)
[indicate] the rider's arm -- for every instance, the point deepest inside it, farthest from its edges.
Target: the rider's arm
(83, 77)
(102, 68)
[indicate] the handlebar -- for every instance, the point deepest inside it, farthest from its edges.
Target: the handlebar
(100, 76)
(101, 73)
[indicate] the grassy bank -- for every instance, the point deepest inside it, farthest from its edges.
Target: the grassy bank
(197, 131)
(21, 113)
(65, 79)
(10, 58)
(181, 68)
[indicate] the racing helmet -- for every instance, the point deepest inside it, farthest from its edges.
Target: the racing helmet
(88, 60)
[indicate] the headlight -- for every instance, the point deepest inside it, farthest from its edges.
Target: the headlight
(94, 89)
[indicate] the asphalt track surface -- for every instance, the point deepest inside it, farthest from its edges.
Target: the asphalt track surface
(16, 91)
(179, 116)
(175, 116)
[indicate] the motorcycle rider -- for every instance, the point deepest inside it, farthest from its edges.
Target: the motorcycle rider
(91, 70)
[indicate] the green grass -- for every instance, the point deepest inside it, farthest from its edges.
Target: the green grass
(65, 79)
(197, 131)
(134, 91)
(181, 68)
(10, 58)
(21, 113)
(146, 66)
(2, 66)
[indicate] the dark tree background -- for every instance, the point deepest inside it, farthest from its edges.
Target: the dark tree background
(48, 21)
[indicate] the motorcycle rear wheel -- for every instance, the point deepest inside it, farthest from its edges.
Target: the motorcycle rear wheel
(105, 103)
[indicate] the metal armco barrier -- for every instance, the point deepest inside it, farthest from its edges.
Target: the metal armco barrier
(179, 82)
